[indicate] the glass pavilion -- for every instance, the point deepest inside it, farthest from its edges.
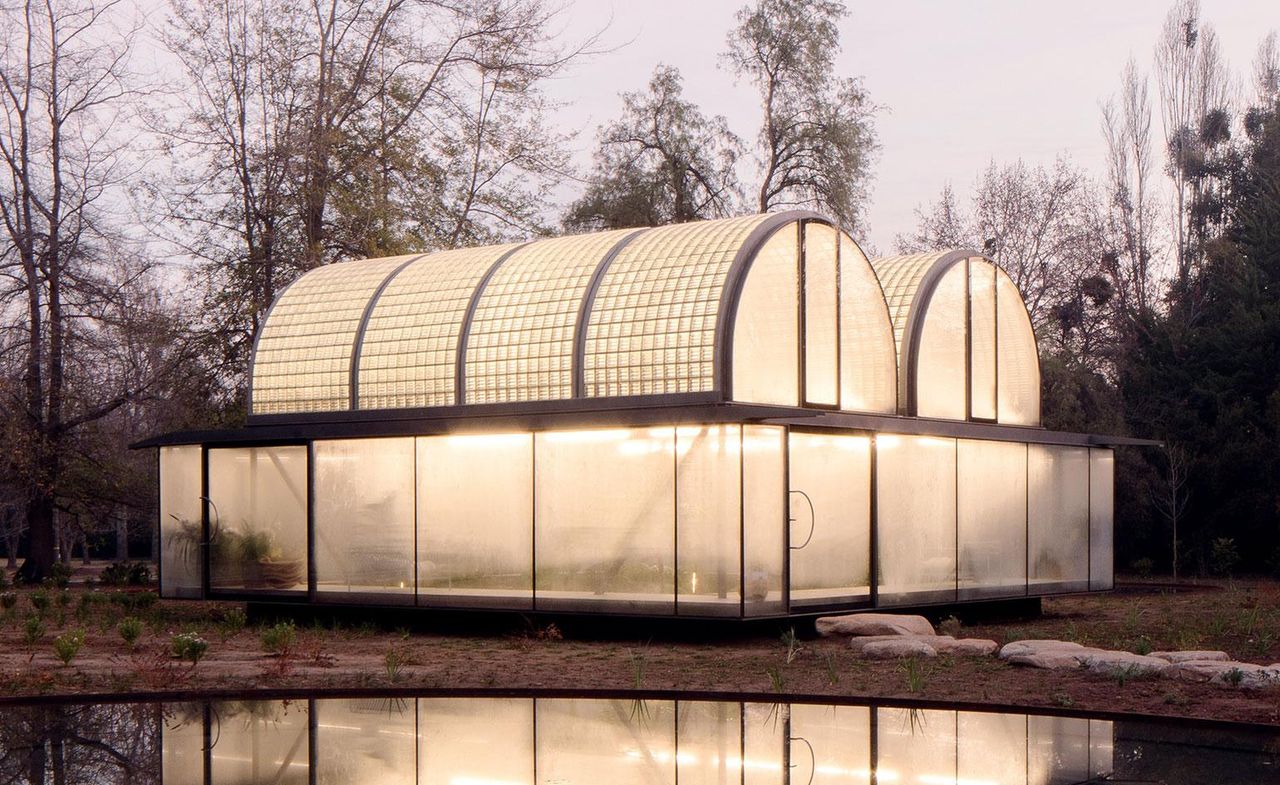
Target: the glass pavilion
(733, 418)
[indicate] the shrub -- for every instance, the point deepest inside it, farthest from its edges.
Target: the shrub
(8, 600)
(130, 629)
(4, 579)
(67, 645)
(950, 626)
(33, 630)
(233, 621)
(59, 575)
(39, 600)
(278, 638)
(1223, 556)
(189, 646)
(64, 599)
(1143, 567)
(126, 574)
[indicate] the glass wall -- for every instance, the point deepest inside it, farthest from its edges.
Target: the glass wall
(821, 315)
(475, 533)
(830, 745)
(182, 748)
(365, 741)
(458, 739)
(915, 518)
(641, 733)
(261, 741)
(940, 358)
(1058, 518)
(830, 502)
(709, 519)
(181, 516)
(1102, 478)
(764, 514)
(766, 331)
(991, 510)
(364, 518)
(258, 518)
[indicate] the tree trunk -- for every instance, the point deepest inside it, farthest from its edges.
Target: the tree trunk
(41, 542)
(122, 538)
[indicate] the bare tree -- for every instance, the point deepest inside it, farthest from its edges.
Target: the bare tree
(1172, 495)
(1266, 71)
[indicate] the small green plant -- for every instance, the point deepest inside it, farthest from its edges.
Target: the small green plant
(639, 663)
(829, 665)
(130, 629)
(792, 642)
(1063, 700)
(233, 621)
(1223, 556)
(67, 645)
(63, 599)
(1127, 674)
(126, 574)
(33, 630)
(916, 672)
(39, 600)
(776, 682)
(404, 633)
(950, 626)
(278, 639)
(1233, 677)
(1174, 699)
(394, 660)
(189, 646)
(8, 600)
(1143, 567)
(59, 575)
(1142, 646)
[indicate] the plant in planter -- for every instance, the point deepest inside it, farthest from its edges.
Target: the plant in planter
(261, 564)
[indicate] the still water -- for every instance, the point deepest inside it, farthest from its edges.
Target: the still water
(599, 741)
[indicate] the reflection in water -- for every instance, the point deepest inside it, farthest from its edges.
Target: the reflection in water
(563, 741)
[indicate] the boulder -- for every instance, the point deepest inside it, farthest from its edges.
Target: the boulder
(861, 624)
(1032, 647)
(898, 648)
(941, 644)
(1243, 674)
(1192, 656)
(971, 647)
(1113, 663)
(1051, 659)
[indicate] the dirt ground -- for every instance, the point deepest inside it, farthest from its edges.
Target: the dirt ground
(504, 652)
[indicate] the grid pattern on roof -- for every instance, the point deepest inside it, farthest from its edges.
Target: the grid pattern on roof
(303, 357)
(900, 277)
(409, 354)
(652, 326)
(520, 346)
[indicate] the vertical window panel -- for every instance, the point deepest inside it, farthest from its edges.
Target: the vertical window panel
(261, 741)
(916, 745)
(830, 542)
(1102, 477)
(1018, 372)
(1057, 750)
(764, 512)
(709, 742)
(766, 339)
(991, 748)
(458, 737)
(916, 518)
(475, 526)
(764, 744)
(992, 519)
(181, 516)
(182, 744)
(868, 353)
(821, 314)
(365, 741)
(709, 519)
(839, 738)
(982, 339)
(940, 359)
(1058, 518)
(258, 518)
(363, 517)
(631, 743)
(605, 513)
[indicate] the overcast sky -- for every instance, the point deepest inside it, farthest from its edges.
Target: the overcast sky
(961, 83)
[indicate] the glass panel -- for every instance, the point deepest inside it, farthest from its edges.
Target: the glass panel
(992, 513)
(982, 339)
(991, 748)
(764, 742)
(1101, 748)
(181, 512)
(1058, 510)
(182, 744)
(899, 278)
(409, 353)
(831, 745)
(303, 358)
(1019, 365)
(366, 741)
(821, 318)
(460, 736)
(709, 519)
(520, 347)
(916, 518)
(766, 337)
(260, 743)
(364, 516)
(1102, 478)
(1057, 750)
(939, 371)
(764, 510)
(830, 517)
(258, 518)
(475, 526)
(868, 354)
(605, 524)
(653, 322)
(709, 743)
(915, 746)
(632, 741)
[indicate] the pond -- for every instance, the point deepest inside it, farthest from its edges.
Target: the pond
(447, 739)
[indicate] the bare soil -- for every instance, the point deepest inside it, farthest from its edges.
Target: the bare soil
(508, 652)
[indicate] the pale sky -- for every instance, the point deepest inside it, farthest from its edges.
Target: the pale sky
(962, 83)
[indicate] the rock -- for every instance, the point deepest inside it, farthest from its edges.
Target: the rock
(941, 644)
(898, 648)
(1031, 647)
(1242, 674)
(1051, 659)
(862, 624)
(971, 647)
(1192, 656)
(1113, 663)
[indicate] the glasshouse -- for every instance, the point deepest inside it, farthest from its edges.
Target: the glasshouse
(733, 418)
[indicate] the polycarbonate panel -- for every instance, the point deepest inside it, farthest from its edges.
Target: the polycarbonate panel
(181, 515)
(821, 315)
(1102, 478)
(476, 741)
(363, 517)
(520, 346)
(709, 743)
(766, 337)
(182, 744)
(605, 518)
(409, 354)
(764, 743)
(1058, 518)
(1018, 371)
(475, 519)
(868, 353)
(652, 325)
(258, 518)
(830, 500)
(915, 745)
(982, 339)
(365, 741)
(900, 278)
(303, 358)
(991, 509)
(631, 742)
(709, 519)
(764, 516)
(831, 745)
(916, 518)
(991, 748)
(1057, 750)
(260, 741)
(940, 358)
